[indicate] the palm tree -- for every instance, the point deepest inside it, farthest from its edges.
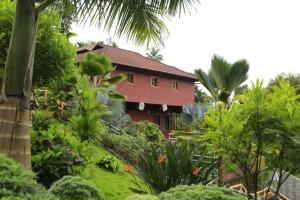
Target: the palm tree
(221, 81)
(223, 78)
(138, 20)
(154, 54)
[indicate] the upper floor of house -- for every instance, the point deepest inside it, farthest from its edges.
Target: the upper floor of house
(147, 80)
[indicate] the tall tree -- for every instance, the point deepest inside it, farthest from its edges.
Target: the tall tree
(223, 77)
(154, 54)
(138, 20)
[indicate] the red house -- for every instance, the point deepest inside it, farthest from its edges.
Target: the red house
(154, 91)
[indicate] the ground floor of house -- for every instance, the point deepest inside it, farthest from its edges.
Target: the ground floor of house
(165, 116)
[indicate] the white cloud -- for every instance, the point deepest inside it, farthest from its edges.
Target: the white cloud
(264, 32)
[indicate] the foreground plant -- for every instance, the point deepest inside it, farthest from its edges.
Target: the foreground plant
(174, 164)
(139, 21)
(261, 131)
(17, 183)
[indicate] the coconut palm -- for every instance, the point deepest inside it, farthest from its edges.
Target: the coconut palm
(223, 77)
(138, 20)
(154, 54)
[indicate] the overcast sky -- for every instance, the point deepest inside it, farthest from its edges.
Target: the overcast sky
(264, 32)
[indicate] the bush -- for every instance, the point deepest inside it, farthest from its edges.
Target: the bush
(109, 162)
(19, 184)
(74, 187)
(148, 130)
(125, 146)
(200, 192)
(142, 197)
(174, 164)
(54, 153)
(41, 119)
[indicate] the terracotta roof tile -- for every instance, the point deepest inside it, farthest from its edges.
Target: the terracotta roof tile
(133, 59)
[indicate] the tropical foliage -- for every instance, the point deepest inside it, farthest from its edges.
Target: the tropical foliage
(54, 53)
(17, 183)
(173, 164)
(154, 54)
(263, 126)
(223, 78)
(54, 153)
(109, 162)
(147, 130)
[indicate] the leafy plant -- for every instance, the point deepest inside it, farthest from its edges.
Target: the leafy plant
(74, 187)
(142, 197)
(200, 192)
(147, 130)
(17, 183)
(53, 51)
(109, 162)
(87, 112)
(42, 119)
(125, 146)
(223, 78)
(54, 153)
(263, 126)
(175, 164)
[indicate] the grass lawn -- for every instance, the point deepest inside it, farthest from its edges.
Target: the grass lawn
(113, 186)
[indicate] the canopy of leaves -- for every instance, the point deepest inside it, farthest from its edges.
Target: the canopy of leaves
(264, 124)
(292, 79)
(54, 52)
(137, 20)
(223, 77)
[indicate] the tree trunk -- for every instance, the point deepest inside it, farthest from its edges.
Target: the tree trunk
(16, 86)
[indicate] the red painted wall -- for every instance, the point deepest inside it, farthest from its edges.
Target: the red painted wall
(142, 91)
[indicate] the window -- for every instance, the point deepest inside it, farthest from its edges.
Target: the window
(175, 85)
(130, 78)
(154, 82)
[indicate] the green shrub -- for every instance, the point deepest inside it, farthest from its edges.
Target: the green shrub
(142, 197)
(200, 192)
(74, 187)
(54, 153)
(174, 164)
(148, 130)
(125, 146)
(109, 162)
(41, 119)
(19, 184)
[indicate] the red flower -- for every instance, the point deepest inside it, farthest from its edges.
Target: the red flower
(128, 168)
(162, 159)
(196, 171)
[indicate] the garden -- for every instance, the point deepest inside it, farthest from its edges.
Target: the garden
(65, 133)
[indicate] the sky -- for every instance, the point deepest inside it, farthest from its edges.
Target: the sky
(264, 32)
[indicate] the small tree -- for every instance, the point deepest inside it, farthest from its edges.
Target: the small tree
(263, 126)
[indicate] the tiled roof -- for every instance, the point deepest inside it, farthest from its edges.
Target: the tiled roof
(133, 59)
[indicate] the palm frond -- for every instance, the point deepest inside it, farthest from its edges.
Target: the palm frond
(238, 74)
(206, 81)
(220, 69)
(137, 20)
